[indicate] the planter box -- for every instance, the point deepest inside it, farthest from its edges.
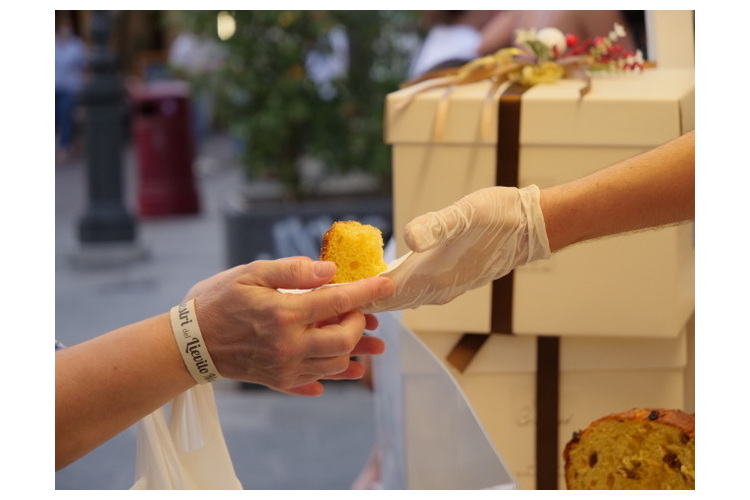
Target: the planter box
(276, 229)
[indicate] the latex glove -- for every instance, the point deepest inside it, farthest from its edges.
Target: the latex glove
(478, 239)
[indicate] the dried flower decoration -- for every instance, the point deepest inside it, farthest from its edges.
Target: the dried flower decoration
(551, 55)
(542, 56)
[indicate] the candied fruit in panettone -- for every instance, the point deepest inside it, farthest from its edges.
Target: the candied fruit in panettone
(640, 449)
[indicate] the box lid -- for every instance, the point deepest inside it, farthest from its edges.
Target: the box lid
(513, 354)
(644, 110)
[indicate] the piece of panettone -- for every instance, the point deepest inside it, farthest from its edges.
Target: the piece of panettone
(355, 248)
(640, 449)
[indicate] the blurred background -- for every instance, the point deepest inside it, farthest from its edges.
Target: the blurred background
(299, 92)
(187, 142)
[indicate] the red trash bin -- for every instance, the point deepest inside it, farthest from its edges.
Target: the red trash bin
(164, 148)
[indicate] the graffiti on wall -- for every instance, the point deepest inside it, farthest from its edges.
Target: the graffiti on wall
(292, 236)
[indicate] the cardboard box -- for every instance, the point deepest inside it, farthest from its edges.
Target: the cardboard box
(640, 284)
(598, 376)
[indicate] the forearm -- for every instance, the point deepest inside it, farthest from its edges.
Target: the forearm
(107, 384)
(498, 32)
(649, 190)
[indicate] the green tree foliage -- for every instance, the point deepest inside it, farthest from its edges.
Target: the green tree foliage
(265, 92)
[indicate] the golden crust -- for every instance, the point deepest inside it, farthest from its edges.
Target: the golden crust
(326, 250)
(642, 448)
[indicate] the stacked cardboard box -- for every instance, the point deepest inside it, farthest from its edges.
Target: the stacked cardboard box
(616, 312)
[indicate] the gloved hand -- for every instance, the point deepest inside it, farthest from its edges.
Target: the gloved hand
(480, 238)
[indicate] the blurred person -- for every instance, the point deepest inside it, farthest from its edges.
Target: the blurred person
(453, 39)
(486, 234)
(70, 63)
(500, 31)
(252, 333)
(456, 37)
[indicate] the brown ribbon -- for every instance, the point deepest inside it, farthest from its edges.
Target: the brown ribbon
(547, 411)
(464, 351)
(506, 174)
(501, 320)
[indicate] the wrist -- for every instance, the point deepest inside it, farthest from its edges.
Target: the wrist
(172, 366)
(192, 347)
(559, 220)
(536, 232)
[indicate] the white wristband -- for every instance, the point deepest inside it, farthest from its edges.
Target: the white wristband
(187, 333)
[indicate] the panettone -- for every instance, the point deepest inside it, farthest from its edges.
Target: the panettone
(640, 449)
(355, 248)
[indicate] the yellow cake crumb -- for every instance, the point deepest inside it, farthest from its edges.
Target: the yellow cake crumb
(355, 248)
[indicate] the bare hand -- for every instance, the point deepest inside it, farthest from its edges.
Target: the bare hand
(287, 342)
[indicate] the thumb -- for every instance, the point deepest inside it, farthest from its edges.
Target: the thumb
(430, 229)
(292, 273)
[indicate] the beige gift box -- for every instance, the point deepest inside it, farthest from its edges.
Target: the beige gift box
(598, 376)
(620, 307)
(639, 284)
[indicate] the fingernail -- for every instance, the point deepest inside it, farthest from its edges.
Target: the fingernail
(323, 269)
(386, 286)
(419, 234)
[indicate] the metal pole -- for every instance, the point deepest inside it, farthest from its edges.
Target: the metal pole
(106, 231)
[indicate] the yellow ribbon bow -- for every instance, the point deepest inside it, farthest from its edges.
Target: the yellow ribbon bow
(499, 67)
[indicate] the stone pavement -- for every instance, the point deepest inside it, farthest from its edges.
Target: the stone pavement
(277, 441)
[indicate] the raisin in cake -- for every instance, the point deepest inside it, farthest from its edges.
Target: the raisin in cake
(633, 450)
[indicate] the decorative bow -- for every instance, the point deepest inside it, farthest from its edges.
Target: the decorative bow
(538, 57)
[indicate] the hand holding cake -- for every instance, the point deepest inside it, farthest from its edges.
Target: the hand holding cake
(286, 342)
(248, 331)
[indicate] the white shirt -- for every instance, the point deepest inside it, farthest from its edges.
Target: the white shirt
(443, 43)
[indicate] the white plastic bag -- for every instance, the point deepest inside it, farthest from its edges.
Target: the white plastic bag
(188, 454)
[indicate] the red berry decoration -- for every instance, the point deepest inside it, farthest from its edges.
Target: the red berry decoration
(571, 40)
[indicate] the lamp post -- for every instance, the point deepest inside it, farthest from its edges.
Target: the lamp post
(106, 231)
